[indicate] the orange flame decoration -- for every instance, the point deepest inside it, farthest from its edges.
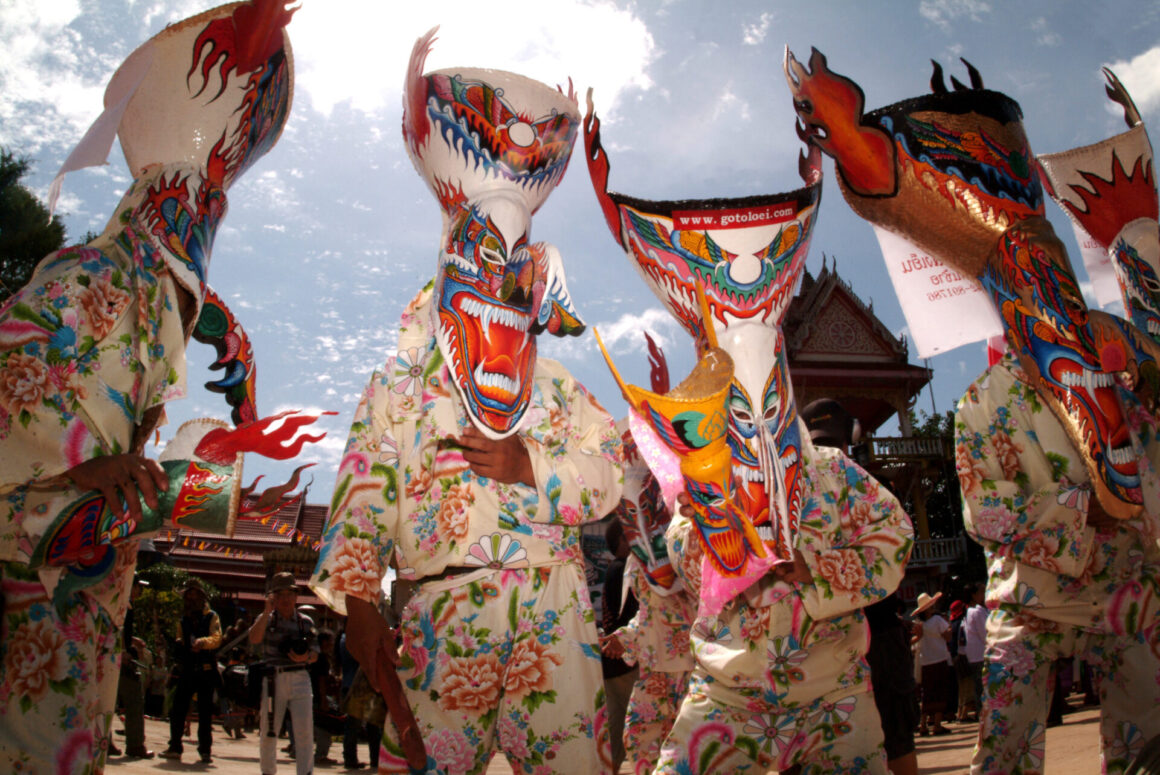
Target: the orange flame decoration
(200, 485)
(272, 499)
(1112, 203)
(242, 42)
(221, 445)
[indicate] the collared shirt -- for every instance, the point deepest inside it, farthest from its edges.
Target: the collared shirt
(280, 630)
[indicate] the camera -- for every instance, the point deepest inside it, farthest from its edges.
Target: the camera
(294, 644)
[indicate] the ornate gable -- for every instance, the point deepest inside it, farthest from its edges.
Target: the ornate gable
(828, 322)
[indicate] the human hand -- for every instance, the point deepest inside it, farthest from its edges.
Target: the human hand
(505, 461)
(796, 572)
(125, 474)
(269, 609)
(611, 647)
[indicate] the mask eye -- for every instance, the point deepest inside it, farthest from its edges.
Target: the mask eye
(492, 252)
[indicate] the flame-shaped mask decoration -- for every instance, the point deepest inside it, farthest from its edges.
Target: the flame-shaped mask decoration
(217, 326)
(491, 145)
(1109, 189)
(203, 464)
(214, 98)
(691, 421)
(747, 255)
(953, 173)
(643, 516)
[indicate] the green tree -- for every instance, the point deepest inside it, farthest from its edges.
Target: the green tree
(157, 611)
(939, 485)
(26, 233)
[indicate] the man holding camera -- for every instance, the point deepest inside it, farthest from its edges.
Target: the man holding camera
(289, 647)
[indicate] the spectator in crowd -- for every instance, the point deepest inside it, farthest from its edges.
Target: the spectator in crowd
(199, 634)
(289, 645)
(619, 606)
(935, 659)
(131, 689)
(964, 686)
(974, 636)
(354, 727)
(323, 685)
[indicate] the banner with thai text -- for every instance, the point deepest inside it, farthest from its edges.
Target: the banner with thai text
(943, 308)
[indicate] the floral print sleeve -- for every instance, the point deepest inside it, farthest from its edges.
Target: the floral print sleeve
(1000, 451)
(86, 348)
(852, 533)
(360, 534)
(575, 451)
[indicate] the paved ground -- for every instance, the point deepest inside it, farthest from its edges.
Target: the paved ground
(1072, 749)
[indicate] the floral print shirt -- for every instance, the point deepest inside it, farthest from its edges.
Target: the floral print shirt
(91, 343)
(657, 637)
(855, 538)
(1026, 493)
(405, 493)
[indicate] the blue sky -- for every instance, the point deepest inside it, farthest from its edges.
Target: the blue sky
(330, 235)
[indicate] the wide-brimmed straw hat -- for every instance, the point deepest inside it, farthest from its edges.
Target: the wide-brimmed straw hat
(925, 601)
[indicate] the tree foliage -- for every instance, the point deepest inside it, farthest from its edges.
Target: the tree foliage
(26, 233)
(157, 611)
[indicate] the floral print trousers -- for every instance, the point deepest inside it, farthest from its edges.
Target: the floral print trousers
(652, 709)
(720, 730)
(506, 662)
(1016, 687)
(58, 679)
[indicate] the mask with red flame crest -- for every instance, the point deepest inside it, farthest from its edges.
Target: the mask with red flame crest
(953, 173)
(747, 255)
(205, 98)
(492, 146)
(1109, 190)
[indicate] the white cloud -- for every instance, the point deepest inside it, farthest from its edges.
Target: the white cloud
(357, 50)
(754, 34)
(945, 12)
(1141, 77)
(626, 333)
(1044, 35)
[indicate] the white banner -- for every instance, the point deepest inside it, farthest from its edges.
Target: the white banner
(1098, 263)
(943, 308)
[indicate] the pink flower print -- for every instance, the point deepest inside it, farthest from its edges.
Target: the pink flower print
(1007, 453)
(388, 450)
(76, 751)
(497, 550)
(530, 668)
(970, 469)
(761, 726)
(355, 568)
(408, 371)
(36, 656)
(103, 303)
(453, 512)
(1039, 552)
(785, 661)
(1016, 657)
(23, 383)
(842, 568)
(512, 738)
(451, 751)
(471, 684)
(995, 523)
